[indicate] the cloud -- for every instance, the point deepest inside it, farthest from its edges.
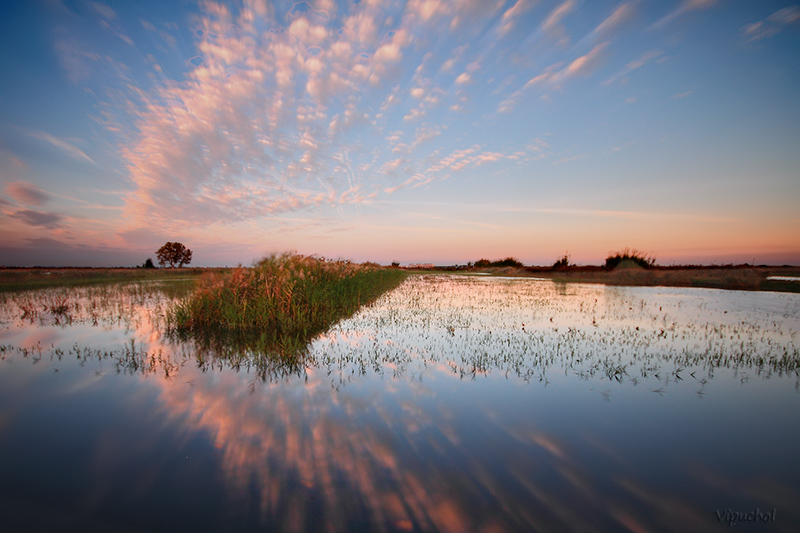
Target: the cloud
(584, 64)
(633, 65)
(68, 148)
(604, 213)
(455, 56)
(26, 193)
(457, 160)
(105, 11)
(466, 158)
(427, 9)
(73, 60)
(685, 7)
(38, 218)
(108, 20)
(682, 95)
(552, 24)
(772, 25)
(511, 15)
(15, 161)
(259, 126)
(49, 252)
(201, 154)
(621, 15)
(425, 134)
(556, 74)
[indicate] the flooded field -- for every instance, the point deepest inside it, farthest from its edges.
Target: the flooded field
(451, 404)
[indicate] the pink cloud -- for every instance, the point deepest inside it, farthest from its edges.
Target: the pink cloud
(552, 24)
(511, 14)
(621, 15)
(26, 193)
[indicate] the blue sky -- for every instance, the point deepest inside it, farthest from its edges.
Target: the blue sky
(423, 131)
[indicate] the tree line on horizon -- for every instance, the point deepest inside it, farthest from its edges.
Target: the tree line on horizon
(175, 254)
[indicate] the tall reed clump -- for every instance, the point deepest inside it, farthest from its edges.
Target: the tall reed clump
(285, 297)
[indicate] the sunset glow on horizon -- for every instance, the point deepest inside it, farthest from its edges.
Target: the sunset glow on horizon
(419, 131)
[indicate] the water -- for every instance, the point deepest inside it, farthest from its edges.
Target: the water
(452, 404)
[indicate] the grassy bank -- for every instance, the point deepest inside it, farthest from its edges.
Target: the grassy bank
(740, 277)
(22, 279)
(283, 300)
(730, 278)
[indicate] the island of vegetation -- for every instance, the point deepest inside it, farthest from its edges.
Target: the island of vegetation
(282, 299)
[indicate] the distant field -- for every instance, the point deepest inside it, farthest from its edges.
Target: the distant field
(20, 279)
(732, 278)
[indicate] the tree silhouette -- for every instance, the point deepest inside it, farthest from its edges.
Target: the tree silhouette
(174, 253)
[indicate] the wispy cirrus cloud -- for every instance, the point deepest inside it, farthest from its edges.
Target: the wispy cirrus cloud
(636, 64)
(457, 160)
(510, 16)
(621, 15)
(685, 7)
(67, 147)
(552, 25)
(557, 74)
(622, 214)
(74, 60)
(772, 25)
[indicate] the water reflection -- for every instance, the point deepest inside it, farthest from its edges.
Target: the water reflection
(451, 404)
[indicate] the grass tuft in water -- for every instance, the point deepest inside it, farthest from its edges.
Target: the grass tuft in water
(282, 299)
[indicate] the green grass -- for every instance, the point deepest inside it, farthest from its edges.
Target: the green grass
(281, 302)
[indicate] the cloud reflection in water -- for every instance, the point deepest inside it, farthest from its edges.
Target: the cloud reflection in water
(460, 404)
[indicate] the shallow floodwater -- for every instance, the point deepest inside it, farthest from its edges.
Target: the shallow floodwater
(451, 404)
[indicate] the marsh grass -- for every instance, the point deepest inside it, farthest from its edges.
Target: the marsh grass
(279, 303)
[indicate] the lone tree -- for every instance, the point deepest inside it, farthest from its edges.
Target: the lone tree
(174, 254)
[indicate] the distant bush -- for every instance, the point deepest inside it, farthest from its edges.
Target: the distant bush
(562, 263)
(634, 256)
(507, 262)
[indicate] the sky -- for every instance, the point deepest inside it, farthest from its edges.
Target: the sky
(419, 131)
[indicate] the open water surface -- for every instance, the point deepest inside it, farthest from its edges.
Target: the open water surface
(451, 404)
